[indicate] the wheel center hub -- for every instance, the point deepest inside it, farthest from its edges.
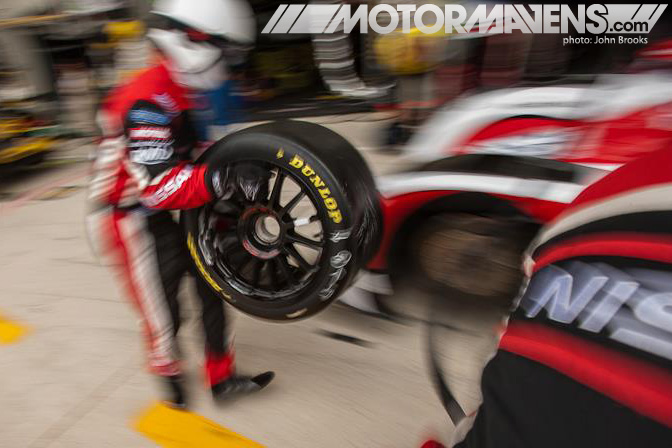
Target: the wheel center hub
(261, 232)
(267, 229)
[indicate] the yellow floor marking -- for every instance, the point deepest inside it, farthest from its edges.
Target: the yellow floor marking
(10, 332)
(171, 428)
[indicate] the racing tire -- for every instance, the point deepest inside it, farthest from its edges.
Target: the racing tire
(288, 249)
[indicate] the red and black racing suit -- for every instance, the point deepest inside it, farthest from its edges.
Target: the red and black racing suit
(586, 360)
(142, 170)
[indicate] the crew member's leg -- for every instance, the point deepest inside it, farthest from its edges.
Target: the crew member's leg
(147, 255)
(219, 360)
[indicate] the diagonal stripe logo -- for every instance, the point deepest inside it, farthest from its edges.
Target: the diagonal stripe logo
(594, 19)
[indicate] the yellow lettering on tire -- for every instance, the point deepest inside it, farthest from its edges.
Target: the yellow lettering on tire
(329, 202)
(307, 171)
(324, 192)
(199, 264)
(296, 162)
(336, 216)
(317, 181)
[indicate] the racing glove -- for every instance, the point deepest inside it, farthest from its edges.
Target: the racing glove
(219, 181)
(248, 179)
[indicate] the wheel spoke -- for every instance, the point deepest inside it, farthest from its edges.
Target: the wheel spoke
(227, 209)
(274, 199)
(226, 241)
(247, 260)
(236, 253)
(273, 268)
(257, 267)
(298, 222)
(300, 239)
(286, 270)
(291, 204)
(297, 256)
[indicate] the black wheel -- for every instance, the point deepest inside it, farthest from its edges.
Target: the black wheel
(287, 247)
(476, 257)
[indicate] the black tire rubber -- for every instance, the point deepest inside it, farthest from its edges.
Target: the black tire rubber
(470, 257)
(340, 187)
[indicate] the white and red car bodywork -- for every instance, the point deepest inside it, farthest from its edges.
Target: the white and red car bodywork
(529, 149)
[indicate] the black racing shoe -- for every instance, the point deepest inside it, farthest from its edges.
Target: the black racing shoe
(237, 385)
(175, 396)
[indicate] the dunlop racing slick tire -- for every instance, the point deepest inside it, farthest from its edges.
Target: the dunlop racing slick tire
(290, 247)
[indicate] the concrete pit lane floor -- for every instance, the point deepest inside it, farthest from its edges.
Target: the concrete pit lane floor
(76, 377)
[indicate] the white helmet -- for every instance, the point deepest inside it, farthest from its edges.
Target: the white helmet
(199, 34)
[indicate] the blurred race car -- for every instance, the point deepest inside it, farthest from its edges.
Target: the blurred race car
(492, 168)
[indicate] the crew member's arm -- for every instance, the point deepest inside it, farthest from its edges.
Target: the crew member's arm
(165, 181)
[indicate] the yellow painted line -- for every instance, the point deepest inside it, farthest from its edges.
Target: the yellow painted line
(171, 428)
(11, 332)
